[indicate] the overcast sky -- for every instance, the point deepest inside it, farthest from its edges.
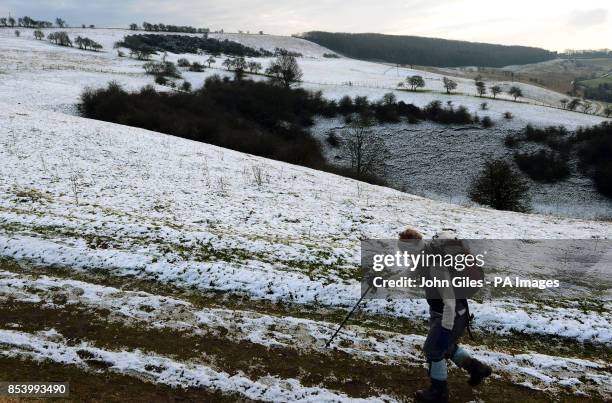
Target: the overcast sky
(552, 24)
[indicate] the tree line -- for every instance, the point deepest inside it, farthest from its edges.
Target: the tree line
(414, 50)
(28, 22)
(62, 38)
(414, 82)
(161, 27)
(586, 54)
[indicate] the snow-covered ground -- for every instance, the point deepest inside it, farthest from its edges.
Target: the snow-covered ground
(439, 162)
(91, 210)
(331, 76)
(54, 77)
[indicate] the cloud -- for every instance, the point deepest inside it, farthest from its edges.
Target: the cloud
(588, 18)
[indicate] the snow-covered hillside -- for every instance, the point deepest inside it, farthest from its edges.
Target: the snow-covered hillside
(176, 212)
(195, 266)
(58, 66)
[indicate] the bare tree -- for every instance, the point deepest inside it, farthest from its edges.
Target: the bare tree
(389, 98)
(240, 66)
(210, 60)
(573, 104)
(449, 84)
(495, 89)
(285, 70)
(133, 26)
(228, 63)
(564, 102)
(11, 22)
(587, 106)
(38, 34)
(516, 92)
(255, 67)
(481, 88)
(366, 151)
(60, 22)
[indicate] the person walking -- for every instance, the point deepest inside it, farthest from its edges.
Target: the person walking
(448, 319)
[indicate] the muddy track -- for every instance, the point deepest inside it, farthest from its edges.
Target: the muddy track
(335, 370)
(104, 386)
(514, 343)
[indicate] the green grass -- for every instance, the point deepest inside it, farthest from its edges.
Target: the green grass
(595, 82)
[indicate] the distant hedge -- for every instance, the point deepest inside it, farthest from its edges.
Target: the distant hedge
(427, 51)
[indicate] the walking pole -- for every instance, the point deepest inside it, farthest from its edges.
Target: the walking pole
(348, 316)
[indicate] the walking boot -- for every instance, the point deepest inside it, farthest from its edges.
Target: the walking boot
(437, 393)
(477, 370)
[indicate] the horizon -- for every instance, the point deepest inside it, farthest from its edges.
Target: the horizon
(464, 20)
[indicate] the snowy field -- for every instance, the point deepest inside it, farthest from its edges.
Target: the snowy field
(197, 276)
(54, 77)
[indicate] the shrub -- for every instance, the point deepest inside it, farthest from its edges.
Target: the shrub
(182, 62)
(486, 122)
(543, 166)
(386, 112)
(197, 67)
(555, 137)
(161, 80)
(331, 55)
(285, 52)
(508, 115)
(186, 86)
(512, 140)
(333, 140)
(167, 69)
(253, 117)
(435, 112)
(499, 186)
(594, 148)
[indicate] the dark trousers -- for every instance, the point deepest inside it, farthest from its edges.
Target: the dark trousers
(432, 352)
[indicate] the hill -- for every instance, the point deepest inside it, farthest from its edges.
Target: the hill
(166, 233)
(147, 266)
(427, 51)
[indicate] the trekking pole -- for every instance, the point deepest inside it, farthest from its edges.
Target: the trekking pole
(347, 317)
